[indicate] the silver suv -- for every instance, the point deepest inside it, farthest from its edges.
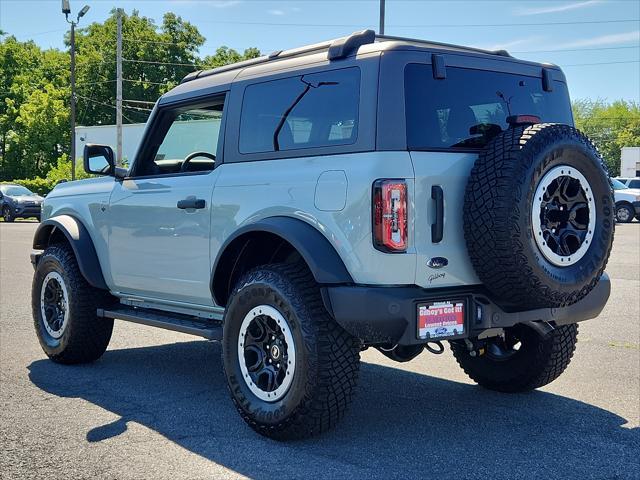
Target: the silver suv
(368, 191)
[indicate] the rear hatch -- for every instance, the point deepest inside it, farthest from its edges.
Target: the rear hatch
(449, 120)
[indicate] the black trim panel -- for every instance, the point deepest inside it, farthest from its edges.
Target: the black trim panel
(81, 243)
(323, 260)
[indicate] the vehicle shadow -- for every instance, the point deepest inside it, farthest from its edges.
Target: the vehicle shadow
(401, 424)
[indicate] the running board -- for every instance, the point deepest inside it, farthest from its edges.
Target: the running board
(208, 329)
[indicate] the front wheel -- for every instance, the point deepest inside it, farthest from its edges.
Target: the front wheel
(624, 213)
(291, 369)
(521, 359)
(64, 309)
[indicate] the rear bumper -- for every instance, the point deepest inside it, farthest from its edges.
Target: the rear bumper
(387, 315)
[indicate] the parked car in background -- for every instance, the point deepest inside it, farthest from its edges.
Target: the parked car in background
(17, 201)
(633, 182)
(627, 202)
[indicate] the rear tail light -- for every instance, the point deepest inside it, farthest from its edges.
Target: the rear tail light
(390, 215)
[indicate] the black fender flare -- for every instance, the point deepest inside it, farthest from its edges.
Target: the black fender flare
(324, 262)
(80, 241)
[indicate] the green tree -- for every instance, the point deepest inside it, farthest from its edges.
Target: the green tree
(34, 84)
(611, 126)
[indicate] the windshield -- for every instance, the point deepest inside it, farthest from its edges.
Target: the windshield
(618, 185)
(470, 107)
(15, 190)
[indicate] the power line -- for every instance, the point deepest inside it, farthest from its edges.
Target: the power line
(145, 81)
(158, 42)
(576, 49)
(161, 63)
(105, 105)
(94, 83)
(138, 109)
(599, 63)
(140, 101)
(424, 25)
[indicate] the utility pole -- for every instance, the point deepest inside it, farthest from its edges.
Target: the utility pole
(66, 10)
(119, 89)
(381, 29)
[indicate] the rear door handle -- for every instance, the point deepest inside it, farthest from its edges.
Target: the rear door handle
(191, 203)
(437, 228)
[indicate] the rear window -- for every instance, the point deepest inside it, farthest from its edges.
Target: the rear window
(306, 111)
(470, 107)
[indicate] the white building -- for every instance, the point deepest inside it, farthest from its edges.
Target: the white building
(106, 135)
(630, 162)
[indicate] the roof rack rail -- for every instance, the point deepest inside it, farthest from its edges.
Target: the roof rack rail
(501, 53)
(338, 48)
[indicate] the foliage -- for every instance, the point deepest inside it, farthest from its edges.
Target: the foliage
(34, 84)
(61, 172)
(610, 126)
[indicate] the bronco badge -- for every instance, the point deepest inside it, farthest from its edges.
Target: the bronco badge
(437, 262)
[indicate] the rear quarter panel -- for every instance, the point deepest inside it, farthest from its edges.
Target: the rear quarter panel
(250, 191)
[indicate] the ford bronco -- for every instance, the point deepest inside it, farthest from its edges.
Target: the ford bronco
(369, 191)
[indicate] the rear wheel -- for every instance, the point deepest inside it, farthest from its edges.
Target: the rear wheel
(291, 369)
(520, 360)
(64, 309)
(624, 213)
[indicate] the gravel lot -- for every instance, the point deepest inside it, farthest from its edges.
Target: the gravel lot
(156, 405)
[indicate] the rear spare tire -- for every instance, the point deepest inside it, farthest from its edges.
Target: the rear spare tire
(539, 216)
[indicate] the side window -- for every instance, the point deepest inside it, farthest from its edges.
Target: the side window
(307, 111)
(190, 141)
(634, 184)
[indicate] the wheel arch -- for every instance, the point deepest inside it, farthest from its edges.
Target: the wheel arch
(279, 238)
(72, 230)
(626, 203)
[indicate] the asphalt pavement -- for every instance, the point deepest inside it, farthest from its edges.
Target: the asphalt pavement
(156, 405)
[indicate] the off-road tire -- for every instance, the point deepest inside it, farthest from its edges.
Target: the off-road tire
(7, 215)
(498, 228)
(540, 360)
(86, 336)
(327, 357)
(629, 213)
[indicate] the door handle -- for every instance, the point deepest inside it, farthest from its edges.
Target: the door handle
(191, 203)
(437, 228)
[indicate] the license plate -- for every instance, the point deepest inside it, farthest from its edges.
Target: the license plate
(441, 319)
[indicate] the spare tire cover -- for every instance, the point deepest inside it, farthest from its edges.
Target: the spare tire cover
(539, 216)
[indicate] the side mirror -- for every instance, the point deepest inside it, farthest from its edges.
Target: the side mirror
(99, 159)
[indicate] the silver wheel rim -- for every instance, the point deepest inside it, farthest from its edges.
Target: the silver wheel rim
(54, 304)
(623, 214)
(563, 215)
(266, 353)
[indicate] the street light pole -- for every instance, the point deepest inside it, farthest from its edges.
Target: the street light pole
(381, 29)
(73, 101)
(66, 9)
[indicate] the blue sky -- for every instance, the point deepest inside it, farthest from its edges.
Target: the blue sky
(595, 42)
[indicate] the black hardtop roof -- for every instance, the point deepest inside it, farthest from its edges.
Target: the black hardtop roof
(349, 45)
